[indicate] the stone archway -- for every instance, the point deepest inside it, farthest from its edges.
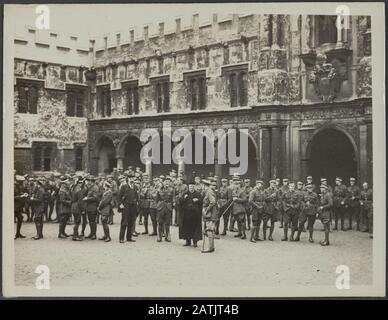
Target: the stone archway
(106, 155)
(129, 151)
(331, 153)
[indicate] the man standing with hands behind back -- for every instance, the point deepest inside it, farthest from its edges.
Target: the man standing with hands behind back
(128, 197)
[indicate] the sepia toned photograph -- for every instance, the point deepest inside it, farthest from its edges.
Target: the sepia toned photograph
(177, 150)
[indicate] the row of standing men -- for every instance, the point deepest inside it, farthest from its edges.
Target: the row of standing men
(199, 205)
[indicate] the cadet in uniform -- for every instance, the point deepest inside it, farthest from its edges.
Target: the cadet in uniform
(340, 196)
(128, 198)
(164, 210)
(353, 201)
(257, 201)
(153, 195)
(279, 205)
(104, 208)
(366, 204)
(224, 198)
(36, 200)
(248, 208)
(20, 197)
(238, 208)
(290, 210)
(65, 202)
(270, 211)
(309, 206)
(76, 199)
(144, 201)
(209, 215)
(92, 200)
(324, 210)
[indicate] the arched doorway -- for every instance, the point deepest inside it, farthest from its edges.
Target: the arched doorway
(164, 168)
(332, 155)
(106, 155)
(130, 150)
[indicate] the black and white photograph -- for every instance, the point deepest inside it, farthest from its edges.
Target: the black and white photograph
(194, 150)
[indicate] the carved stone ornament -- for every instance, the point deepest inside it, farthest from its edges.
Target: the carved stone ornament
(327, 72)
(91, 74)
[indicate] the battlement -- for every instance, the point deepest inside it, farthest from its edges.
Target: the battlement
(52, 47)
(192, 30)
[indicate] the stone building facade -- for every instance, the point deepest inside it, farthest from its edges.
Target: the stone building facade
(300, 85)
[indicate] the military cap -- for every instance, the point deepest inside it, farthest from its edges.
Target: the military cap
(338, 179)
(323, 179)
(277, 180)
(131, 175)
(259, 181)
(309, 178)
(109, 176)
(19, 178)
(300, 183)
(162, 177)
(90, 177)
(309, 186)
(168, 178)
(224, 180)
(247, 180)
(205, 181)
(352, 179)
(285, 180)
(272, 181)
(63, 179)
(323, 186)
(213, 183)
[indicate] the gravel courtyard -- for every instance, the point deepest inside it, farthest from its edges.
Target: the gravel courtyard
(148, 263)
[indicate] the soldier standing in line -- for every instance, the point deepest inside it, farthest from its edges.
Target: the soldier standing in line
(113, 182)
(65, 203)
(309, 206)
(248, 208)
(291, 211)
(51, 202)
(164, 210)
(36, 200)
(270, 211)
(128, 198)
(257, 201)
(281, 191)
(340, 195)
(180, 190)
(353, 201)
(20, 197)
(366, 204)
(238, 208)
(209, 216)
(324, 209)
(92, 200)
(144, 201)
(300, 189)
(76, 198)
(105, 207)
(153, 195)
(224, 198)
(82, 206)
(30, 207)
(309, 180)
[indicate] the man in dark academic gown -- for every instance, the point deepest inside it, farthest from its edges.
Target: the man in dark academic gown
(190, 219)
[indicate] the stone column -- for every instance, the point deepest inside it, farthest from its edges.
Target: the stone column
(120, 162)
(363, 160)
(266, 154)
(276, 154)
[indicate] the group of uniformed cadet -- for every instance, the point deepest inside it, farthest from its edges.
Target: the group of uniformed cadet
(196, 206)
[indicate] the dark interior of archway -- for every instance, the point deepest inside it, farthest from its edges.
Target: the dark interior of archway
(132, 153)
(252, 162)
(332, 155)
(163, 168)
(107, 160)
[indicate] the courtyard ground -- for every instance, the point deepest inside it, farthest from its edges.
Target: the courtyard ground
(148, 263)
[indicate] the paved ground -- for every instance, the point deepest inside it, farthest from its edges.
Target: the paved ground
(235, 261)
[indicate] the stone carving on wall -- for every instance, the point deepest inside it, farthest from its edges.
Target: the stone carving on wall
(327, 71)
(364, 78)
(272, 59)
